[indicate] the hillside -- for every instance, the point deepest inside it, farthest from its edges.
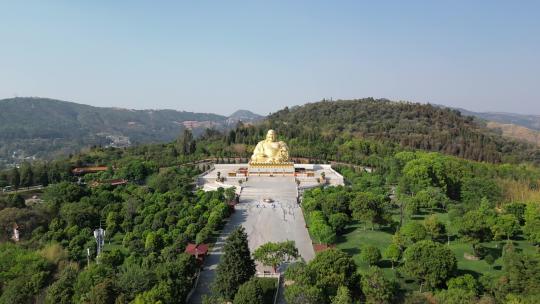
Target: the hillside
(516, 126)
(527, 121)
(244, 116)
(516, 132)
(46, 128)
(411, 125)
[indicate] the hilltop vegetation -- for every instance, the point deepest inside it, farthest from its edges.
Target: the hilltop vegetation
(409, 125)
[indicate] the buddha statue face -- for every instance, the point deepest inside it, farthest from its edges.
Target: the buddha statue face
(271, 136)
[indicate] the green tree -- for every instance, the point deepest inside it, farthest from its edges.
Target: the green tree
(532, 222)
(113, 222)
(153, 242)
(4, 179)
(480, 187)
(302, 294)
(63, 192)
(275, 254)
(506, 225)
(370, 255)
(26, 175)
(319, 229)
(429, 198)
(376, 288)
(465, 282)
(15, 178)
(331, 269)
(343, 296)
(134, 279)
(230, 193)
(61, 291)
(393, 253)
(177, 276)
(23, 274)
(250, 292)
(368, 207)
(430, 263)
(104, 292)
(455, 296)
(15, 201)
(435, 230)
(135, 170)
(236, 266)
(517, 210)
(323, 233)
(475, 225)
(338, 221)
(412, 232)
(186, 142)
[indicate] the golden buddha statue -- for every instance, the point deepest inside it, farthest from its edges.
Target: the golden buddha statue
(270, 151)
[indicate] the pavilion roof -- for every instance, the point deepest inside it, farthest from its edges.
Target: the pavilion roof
(194, 249)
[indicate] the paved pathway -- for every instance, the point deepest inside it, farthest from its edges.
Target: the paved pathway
(264, 222)
(212, 260)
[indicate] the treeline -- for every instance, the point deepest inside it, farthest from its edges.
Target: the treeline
(407, 125)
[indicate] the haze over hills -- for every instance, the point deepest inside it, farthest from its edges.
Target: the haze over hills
(517, 126)
(45, 128)
(528, 121)
(41, 128)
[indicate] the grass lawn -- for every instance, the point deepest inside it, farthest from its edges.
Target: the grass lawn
(355, 238)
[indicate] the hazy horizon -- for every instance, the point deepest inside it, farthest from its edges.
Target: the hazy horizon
(262, 114)
(220, 57)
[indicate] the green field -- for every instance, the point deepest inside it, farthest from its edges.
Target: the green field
(356, 238)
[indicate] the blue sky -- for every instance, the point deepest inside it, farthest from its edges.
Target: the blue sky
(219, 56)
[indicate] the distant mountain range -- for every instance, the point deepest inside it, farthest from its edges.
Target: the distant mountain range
(40, 128)
(512, 125)
(527, 121)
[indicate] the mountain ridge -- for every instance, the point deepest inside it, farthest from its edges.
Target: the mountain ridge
(44, 128)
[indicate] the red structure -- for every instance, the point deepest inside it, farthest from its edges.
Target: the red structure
(199, 251)
(112, 182)
(322, 247)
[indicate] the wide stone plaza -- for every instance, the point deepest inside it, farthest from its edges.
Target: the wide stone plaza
(268, 208)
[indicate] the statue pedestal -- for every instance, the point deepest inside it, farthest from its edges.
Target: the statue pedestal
(271, 169)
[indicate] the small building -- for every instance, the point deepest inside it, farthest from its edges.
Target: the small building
(198, 251)
(322, 247)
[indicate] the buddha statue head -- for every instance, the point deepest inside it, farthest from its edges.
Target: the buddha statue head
(271, 136)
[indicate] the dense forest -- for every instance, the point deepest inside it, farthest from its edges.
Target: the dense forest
(423, 227)
(410, 125)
